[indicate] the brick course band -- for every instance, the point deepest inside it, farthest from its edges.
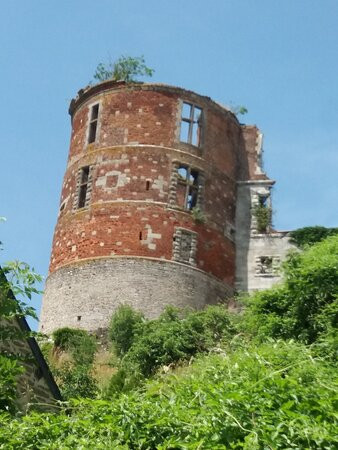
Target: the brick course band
(147, 285)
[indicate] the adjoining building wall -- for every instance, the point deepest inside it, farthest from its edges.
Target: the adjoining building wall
(258, 254)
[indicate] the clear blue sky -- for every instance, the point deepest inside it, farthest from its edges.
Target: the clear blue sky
(278, 58)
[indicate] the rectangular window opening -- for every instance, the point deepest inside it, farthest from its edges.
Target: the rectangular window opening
(188, 187)
(78, 318)
(94, 115)
(95, 112)
(263, 200)
(83, 187)
(147, 185)
(265, 264)
(191, 124)
(184, 246)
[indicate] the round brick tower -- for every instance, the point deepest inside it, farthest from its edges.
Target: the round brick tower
(147, 207)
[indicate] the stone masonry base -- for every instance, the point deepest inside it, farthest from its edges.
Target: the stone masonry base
(85, 294)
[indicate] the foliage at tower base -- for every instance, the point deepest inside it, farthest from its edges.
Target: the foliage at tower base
(207, 380)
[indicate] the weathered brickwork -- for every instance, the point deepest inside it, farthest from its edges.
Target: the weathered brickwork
(130, 187)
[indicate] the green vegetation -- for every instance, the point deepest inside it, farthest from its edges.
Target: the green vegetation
(198, 215)
(9, 372)
(174, 337)
(263, 215)
(72, 358)
(274, 395)
(305, 306)
(21, 281)
(311, 235)
(238, 109)
(78, 343)
(125, 68)
(76, 381)
(123, 327)
(263, 379)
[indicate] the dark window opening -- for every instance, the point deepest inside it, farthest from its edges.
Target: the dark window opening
(79, 318)
(263, 200)
(188, 186)
(191, 124)
(140, 236)
(265, 264)
(93, 123)
(147, 185)
(62, 207)
(83, 187)
(95, 112)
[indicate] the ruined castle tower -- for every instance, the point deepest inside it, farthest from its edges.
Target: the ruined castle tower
(148, 205)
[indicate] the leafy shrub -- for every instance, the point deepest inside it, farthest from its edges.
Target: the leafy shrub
(310, 235)
(79, 343)
(9, 372)
(46, 348)
(263, 215)
(175, 336)
(123, 327)
(76, 382)
(305, 306)
(274, 395)
(124, 68)
(64, 338)
(198, 215)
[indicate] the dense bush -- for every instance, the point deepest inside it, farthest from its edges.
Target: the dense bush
(123, 327)
(9, 372)
(76, 382)
(310, 235)
(272, 396)
(78, 343)
(175, 336)
(304, 307)
(75, 379)
(263, 215)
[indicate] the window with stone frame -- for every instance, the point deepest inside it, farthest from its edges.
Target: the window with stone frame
(93, 123)
(191, 124)
(83, 187)
(185, 246)
(267, 266)
(188, 187)
(261, 211)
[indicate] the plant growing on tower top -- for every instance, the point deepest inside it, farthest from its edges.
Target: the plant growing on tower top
(125, 68)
